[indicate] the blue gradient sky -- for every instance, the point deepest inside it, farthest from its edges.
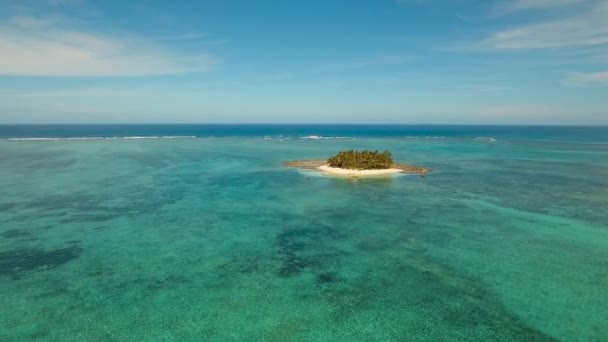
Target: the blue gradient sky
(380, 61)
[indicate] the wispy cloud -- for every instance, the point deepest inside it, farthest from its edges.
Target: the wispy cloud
(587, 78)
(48, 47)
(184, 36)
(24, 22)
(586, 28)
(508, 7)
(542, 4)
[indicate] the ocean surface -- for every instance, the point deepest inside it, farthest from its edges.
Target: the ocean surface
(198, 233)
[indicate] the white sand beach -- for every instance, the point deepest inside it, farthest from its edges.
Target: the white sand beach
(336, 171)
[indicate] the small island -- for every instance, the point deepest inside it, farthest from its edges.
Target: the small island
(354, 164)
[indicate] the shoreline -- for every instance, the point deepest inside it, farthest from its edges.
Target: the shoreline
(322, 166)
(336, 171)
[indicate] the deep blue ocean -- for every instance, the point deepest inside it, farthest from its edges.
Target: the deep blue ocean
(199, 233)
(563, 133)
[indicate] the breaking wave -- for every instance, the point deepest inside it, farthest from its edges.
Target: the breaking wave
(488, 139)
(306, 137)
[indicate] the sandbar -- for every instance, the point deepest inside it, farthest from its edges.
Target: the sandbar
(336, 171)
(321, 165)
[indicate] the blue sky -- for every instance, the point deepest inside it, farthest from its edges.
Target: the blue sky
(321, 61)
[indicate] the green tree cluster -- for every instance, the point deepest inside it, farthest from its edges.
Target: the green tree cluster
(362, 160)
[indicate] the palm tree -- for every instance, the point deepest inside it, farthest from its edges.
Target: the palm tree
(362, 160)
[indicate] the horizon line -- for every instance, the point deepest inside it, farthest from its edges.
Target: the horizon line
(301, 124)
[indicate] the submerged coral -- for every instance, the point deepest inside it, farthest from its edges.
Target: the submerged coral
(18, 261)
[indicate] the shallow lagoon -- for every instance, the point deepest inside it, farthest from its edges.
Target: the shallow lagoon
(212, 239)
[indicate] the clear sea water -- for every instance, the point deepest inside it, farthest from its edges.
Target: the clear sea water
(204, 236)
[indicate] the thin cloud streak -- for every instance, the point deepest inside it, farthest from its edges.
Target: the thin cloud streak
(587, 78)
(184, 36)
(589, 28)
(44, 47)
(543, 4)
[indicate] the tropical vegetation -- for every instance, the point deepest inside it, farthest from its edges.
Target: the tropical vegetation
(362, 160)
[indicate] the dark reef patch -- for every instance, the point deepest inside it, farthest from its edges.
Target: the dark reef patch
(89, 218)
(292, 245)
(19, 261)
(437, 293)
(306, 248)
(75, 201)
(53, 292)
(135, 200)
(326, 278)
(167, 282)
(17, 234)
(7, 206)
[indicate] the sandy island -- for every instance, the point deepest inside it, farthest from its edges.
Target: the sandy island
(336, 171)
(321, 165)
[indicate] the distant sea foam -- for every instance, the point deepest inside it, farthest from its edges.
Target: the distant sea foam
(99, 138)
(306, 137)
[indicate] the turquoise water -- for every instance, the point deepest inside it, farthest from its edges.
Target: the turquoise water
(210, 238)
